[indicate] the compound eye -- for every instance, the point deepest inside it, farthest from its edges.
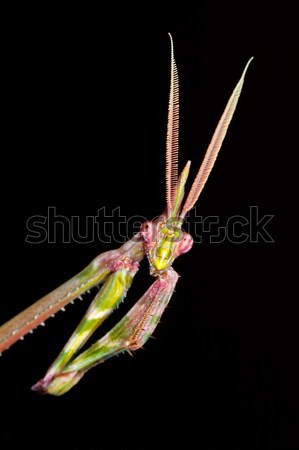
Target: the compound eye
(146, 231)
(186, 243)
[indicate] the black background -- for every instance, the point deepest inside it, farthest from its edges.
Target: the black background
(87, 110)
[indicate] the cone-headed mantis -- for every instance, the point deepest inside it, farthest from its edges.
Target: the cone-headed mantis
(161, 241)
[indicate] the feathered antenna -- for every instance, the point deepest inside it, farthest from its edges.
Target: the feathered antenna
(215, 145)
(172, 141)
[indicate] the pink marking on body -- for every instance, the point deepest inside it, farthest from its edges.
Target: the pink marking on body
(156, 287)
(41, 385)
(150, 245)
(147, 231)
(125, 263)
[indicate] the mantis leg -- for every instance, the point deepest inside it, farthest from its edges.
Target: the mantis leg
(108, 298)
(130, 333)
(94, 274)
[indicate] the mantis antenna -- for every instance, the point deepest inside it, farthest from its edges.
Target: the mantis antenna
(214, 147)
(172, 140)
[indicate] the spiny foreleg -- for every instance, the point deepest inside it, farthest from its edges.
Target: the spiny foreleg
(129, 334)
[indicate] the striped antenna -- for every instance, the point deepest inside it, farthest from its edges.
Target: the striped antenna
(214, 147)
(172, 141)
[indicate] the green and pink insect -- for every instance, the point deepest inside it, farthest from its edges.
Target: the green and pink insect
(161, 241)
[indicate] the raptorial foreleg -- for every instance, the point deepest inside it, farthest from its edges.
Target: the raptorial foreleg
(129, 334)
(94, 274)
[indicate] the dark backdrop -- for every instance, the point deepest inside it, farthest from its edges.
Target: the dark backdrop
(87, 112)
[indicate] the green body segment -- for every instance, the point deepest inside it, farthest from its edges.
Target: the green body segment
(111, 294)
(163, 254)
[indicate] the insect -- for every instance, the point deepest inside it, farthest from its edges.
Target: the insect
(161, 241)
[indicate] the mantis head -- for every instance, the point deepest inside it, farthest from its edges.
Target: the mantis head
(164, 239)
